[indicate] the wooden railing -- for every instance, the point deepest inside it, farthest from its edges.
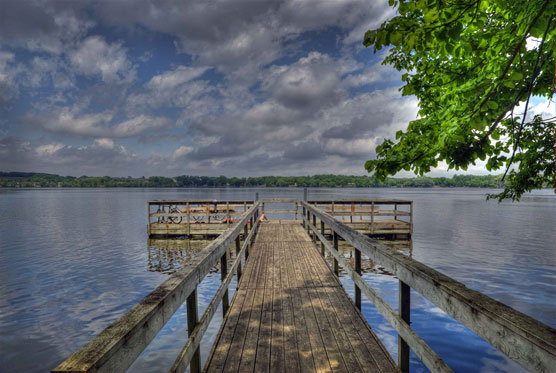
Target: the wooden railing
(525, 340)
(194, 211)
(266, 210)
(374, 216)
(117, 346)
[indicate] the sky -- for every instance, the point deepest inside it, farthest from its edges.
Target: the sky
(234, 88)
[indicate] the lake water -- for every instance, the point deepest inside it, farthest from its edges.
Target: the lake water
(74, 260)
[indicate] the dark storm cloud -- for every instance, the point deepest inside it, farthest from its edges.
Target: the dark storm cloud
(42, 25)
(355, 129)
(304, 151)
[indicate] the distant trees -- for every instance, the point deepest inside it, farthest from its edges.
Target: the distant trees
(32, 180)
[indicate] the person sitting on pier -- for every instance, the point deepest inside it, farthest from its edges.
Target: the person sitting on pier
(263, 218)
(225, 220)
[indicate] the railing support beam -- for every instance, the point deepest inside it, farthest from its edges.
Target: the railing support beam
(223, 274)
(192, 320)
(322, 243)
(238, 249)
(315, 224)
(336, 268)
(358, 270)
(404, 312)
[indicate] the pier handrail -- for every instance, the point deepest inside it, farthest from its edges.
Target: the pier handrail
(525, 340)
(117, 346)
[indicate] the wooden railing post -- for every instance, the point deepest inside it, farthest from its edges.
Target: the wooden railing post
(228, 213)
(223, 274)
(336, 269)
(314, 225)
(303, 220)
(192, 321)
(358, 270)
(371, 228)
(322, 232)
(404, 311)
(245, 233)
(308, 220)
(149, 218)
(238, 249)
(188, 219)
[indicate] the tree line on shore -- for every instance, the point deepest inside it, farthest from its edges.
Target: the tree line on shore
(42, 180)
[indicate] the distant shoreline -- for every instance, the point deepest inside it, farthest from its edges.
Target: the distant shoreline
(41, 180)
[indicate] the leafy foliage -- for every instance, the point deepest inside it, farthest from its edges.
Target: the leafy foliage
(467, 63)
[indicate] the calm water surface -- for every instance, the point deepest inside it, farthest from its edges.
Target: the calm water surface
(74, 260)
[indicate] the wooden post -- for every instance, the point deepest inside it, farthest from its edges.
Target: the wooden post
(192, 321)
(245, 233)
(256, 196)
(395, 211)
(308, 220)
(336, 269)
(352, 212)
(149, 218)
(296, 209)
(305, 194)
(188, 219)
(371, 228)
(404, 311)
(322, 232)
(358, 270)
(228, 213)
(223, 274)
(411, 218)
(238, 249)
(314, 225)
(303, 220)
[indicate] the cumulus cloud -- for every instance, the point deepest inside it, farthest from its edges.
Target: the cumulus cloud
(235, 88)
(43, 26)
(178, 88)
(8, 88)
(72, 122)
(243, 37)
(94, 56)
(311, 81)
(102, 157)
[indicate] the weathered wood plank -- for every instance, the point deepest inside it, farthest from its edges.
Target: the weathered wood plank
(299, 328)
(117, 346)
(290, 343)
(262, 363)
(522, 338)
(277, 362)
(217, 358)
(235, 349)
(252, 337)
(421, 349)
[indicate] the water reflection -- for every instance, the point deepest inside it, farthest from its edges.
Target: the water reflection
(368, 265)
(169, 255)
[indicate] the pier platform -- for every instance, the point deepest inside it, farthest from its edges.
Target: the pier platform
(291, 314)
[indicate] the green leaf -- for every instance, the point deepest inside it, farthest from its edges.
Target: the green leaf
(492, 104)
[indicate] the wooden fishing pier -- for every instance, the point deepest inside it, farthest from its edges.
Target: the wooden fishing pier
(290, 312)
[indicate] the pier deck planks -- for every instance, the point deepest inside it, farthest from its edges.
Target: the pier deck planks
(290, 314)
